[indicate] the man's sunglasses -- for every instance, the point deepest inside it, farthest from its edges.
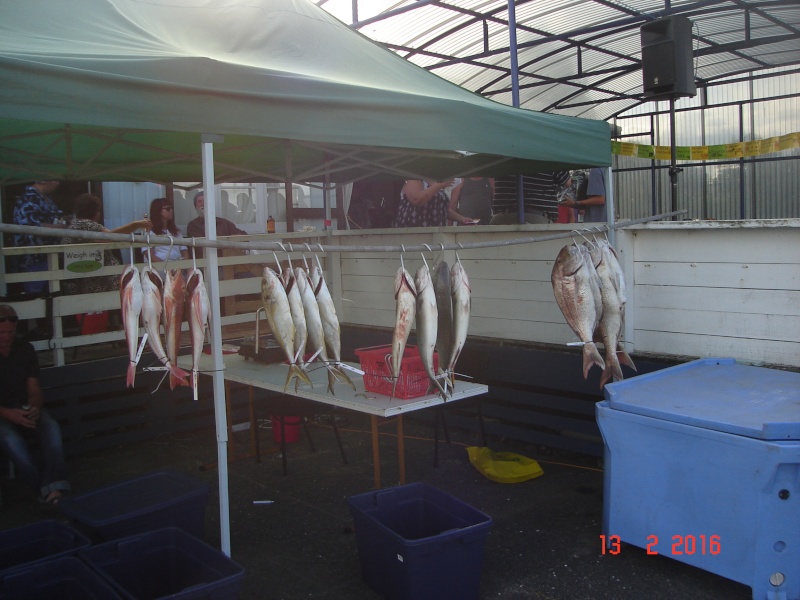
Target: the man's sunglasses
(10, 318)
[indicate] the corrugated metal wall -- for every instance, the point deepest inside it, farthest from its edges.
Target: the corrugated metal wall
(762, 187)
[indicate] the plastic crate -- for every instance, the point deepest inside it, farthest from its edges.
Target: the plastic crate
(376, 363)
(66, 578)
(166, 563)
(152, 501)
(417, 542)
(38, 542)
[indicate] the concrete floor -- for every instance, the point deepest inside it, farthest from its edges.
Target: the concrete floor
(544, 542)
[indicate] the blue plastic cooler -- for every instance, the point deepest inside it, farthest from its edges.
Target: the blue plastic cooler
(702, 464)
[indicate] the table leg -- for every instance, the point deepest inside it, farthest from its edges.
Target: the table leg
(254, 446)
(376, 453)
(401, 450)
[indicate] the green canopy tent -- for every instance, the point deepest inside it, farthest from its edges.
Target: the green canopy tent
(123, 90)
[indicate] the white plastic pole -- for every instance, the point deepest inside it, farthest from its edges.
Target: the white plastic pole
(215, 331)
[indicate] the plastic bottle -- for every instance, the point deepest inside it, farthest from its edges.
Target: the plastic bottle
(270, 225)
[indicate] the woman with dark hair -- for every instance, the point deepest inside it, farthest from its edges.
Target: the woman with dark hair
(87, 218)
(162, 213)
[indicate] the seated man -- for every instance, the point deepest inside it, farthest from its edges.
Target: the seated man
(23, 418)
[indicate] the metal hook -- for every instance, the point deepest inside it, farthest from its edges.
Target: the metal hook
(194, 257)
(149, 252)
(133, 239)
(403, 250)
(277, 262)
(169, 252)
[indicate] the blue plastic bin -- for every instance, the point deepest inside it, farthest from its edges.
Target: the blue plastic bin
(167, 563)
(38, 542)
(65, 578)
(416, 542)
(702, 464)
(152, 501)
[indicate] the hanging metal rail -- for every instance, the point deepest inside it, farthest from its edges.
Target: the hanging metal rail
(157, 240)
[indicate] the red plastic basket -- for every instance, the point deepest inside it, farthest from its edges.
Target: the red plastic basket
(376, 363)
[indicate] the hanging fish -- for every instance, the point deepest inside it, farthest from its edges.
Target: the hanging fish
(296, 310)
(427, 323)
(405, 294)
(578, 294)
(199, 308)
(461, 302)
(152, 307)
(444, 334)
(130, 292)
(174, 294)
(279, 316)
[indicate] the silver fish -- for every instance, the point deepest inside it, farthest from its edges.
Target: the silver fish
(130, 293)
(577, 292)
(610, 326)
(199, 307)
(444, 334)
(174, 293)
(298, 315)
(461, 294)
(276, 307)
(618, 278)
(152, 307)
(427, 323)
(330, 323)
(405, 294)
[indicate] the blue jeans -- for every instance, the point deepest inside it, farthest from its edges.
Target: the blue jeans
(48, 476)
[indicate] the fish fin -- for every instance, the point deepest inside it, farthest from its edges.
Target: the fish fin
(300, 373)
(625, 358)
(131, 373)
(177, 376)
(331, 380)
(591, 357)
(342, 376)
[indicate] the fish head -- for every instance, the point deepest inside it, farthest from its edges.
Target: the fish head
(269, 282)
(316, 276)
(568, 262)
(458, 278)
(152, 279)
(403, 280)
(595, 253)
(422, 279)
(194, 280)
(442, 271)
(301, 279)
(129, 273)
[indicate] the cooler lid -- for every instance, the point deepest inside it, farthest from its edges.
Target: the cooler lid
(718, 394)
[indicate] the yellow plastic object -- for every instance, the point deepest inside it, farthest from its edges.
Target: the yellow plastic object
(503, 467)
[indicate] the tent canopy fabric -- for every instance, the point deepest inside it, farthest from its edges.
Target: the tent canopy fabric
(122, 90)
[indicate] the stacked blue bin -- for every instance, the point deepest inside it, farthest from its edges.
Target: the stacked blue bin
(159, 499)
(702, 464)
(37, 562)
(417, 543)
(149, 531)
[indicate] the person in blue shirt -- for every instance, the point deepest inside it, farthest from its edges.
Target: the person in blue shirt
(35, 207)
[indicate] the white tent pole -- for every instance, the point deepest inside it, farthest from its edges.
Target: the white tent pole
(612, 234)
(212, 277)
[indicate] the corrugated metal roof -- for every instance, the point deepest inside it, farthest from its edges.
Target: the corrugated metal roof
(576, 57)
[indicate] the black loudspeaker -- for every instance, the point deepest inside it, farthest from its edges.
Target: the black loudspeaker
(667, 68)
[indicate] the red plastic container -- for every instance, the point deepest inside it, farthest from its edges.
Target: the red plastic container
(291, 428)
(376, 363)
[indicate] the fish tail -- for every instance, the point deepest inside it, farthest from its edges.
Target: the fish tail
(300, 373)
(625, 358)
(611, 370)
(591, 357)
(131, 373)
(177, 376)
(331, 380)
(342, 376)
